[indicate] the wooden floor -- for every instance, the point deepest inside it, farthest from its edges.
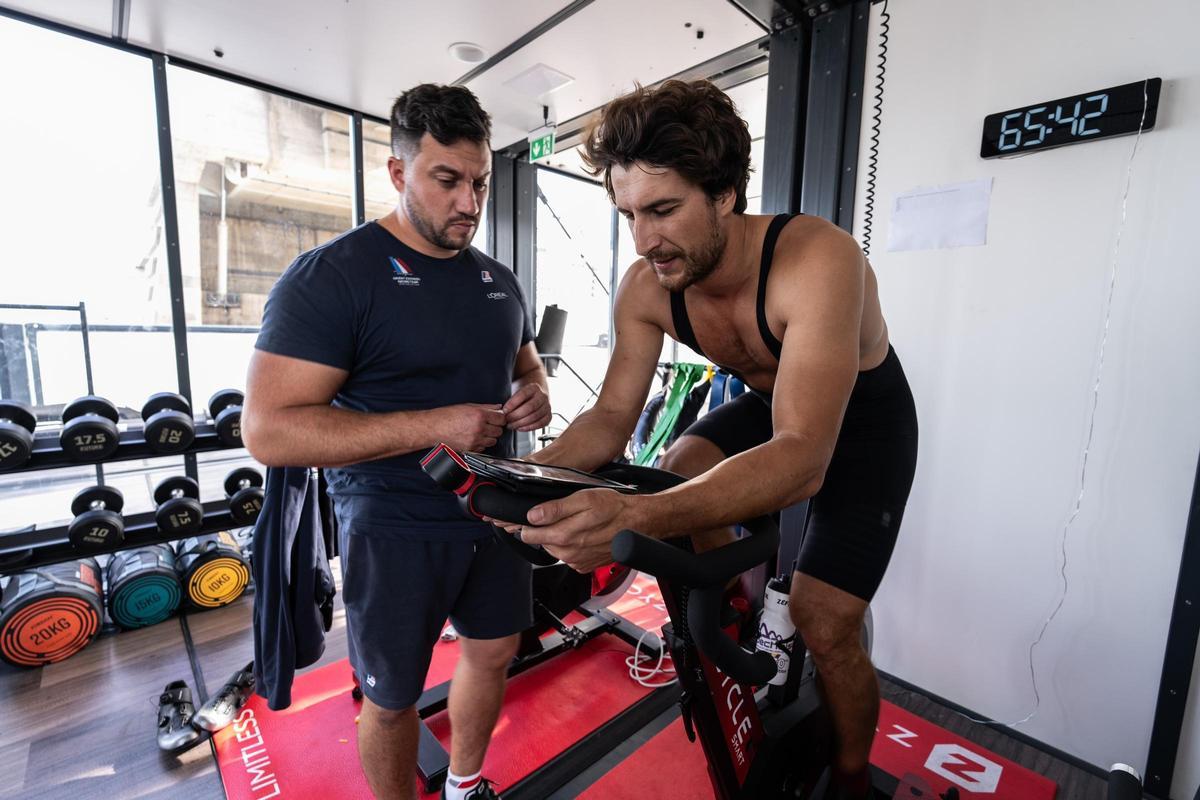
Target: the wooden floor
(85, 728)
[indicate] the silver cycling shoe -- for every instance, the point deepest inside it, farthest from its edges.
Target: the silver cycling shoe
(175, 712)
(223, 706)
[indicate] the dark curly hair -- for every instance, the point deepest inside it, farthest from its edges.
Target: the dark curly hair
(690, 127)
(447, 113)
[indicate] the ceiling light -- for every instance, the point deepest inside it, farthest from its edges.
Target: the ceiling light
(467, 52)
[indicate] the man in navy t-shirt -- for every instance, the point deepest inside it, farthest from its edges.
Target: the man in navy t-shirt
(376, 346)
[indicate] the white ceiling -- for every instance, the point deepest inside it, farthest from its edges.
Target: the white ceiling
(605, 48)
(93, 16)
(362, 53)
(751, 101)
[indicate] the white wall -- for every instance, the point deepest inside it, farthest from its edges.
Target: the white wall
(1001, 346)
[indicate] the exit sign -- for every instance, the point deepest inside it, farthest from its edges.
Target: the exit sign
(541, 146)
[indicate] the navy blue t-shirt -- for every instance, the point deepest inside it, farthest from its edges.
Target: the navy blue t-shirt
(414, 332)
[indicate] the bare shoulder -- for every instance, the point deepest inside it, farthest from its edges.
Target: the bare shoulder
(820, 264)
(812, 243)
(641, 297)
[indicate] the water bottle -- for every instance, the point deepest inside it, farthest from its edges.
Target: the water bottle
(776, 633)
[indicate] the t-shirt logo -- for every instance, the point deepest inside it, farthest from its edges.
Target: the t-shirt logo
(404, 275)
(485, 276)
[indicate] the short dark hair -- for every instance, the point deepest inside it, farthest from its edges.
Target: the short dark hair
(447, 113)
(690, 127)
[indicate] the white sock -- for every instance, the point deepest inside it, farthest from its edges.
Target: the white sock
(457, 786)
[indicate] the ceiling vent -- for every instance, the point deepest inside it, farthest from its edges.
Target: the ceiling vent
(539, 80)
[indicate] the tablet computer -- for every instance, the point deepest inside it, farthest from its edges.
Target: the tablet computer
(528, 472)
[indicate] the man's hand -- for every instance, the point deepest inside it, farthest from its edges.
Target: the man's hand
(579, 529)
(528, 409)
(470, 426)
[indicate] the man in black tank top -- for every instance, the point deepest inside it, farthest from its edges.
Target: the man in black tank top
(790, 305)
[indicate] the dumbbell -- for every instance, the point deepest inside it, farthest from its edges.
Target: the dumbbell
(244, 488)
(226, 409)
(89, 429)
(98, 523)
(179, 511)
(169, 427)
(16, 433)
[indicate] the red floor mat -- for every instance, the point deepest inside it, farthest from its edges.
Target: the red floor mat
(642, 604)
(669, 767)
(906, 743)
(304, 750)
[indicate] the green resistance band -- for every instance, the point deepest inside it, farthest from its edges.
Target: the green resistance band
(685, 377)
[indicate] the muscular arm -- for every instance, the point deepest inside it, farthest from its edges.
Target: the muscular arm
(287, 419)
(598, 435)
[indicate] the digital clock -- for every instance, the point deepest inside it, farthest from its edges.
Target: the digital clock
(1079, 118)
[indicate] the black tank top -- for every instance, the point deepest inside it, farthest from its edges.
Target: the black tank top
(683, 325)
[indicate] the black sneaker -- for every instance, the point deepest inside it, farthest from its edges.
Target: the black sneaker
(223, 706)
(175, 712)
(480, 791)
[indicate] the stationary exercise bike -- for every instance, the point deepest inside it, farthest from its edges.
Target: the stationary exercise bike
(769, 744)
(775, 742)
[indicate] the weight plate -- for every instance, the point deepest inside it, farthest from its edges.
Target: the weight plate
(177, 483)
(240, 478)
(169, 431)
(90, 404)
(222, 399)
(16, 445)
(19, 413)
(96, 529)
(109, 495)
(181, 516)
(245, 505)
(229, 426)
(89, 438)
(163, 401)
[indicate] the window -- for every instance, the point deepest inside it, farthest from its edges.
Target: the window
(574, 273)
(260, 178)
(751, 101)
(377, 148)
(83, 223)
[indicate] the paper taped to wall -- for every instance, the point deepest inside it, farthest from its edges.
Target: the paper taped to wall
(953, 215)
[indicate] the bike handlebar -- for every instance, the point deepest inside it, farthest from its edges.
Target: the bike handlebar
(704, 575)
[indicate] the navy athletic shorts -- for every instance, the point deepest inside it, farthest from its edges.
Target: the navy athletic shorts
(854, 519)
(398, 594)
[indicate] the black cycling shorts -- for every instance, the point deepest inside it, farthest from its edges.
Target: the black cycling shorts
(854, 519)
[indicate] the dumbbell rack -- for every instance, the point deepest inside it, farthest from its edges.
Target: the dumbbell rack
(48, 453)
(27, 549)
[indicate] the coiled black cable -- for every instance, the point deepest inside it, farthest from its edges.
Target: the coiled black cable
(873, 158)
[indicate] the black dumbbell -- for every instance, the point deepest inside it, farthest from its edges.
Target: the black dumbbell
(98, 523)
(244, 488)
(226, 409)
(169, 427)
(179, 511)
(89, 429)
(16, 433)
